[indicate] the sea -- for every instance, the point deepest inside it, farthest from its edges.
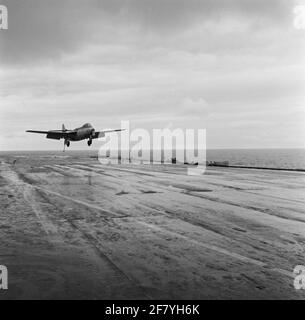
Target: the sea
(263, 158)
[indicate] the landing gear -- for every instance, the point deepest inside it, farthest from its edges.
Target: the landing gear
(66, 143)
(89, 142)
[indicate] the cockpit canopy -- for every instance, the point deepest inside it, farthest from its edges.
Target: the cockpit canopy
(87, 125)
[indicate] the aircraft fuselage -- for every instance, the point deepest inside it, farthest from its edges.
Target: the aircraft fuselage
(81, 134)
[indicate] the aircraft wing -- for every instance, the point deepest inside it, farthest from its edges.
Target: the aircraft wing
(55, 134)
(36, 131)
(101, 134)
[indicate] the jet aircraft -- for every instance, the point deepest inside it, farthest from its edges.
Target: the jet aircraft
(84, 132)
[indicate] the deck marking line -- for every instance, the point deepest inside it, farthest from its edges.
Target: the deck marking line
(86, 204)
(219, 250)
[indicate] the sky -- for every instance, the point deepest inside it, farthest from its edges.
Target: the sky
(233, 67)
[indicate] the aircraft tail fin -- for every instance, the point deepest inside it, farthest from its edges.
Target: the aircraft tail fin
(63, 128)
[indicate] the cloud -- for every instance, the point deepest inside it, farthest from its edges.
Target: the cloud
(215, 63)
(45, 30)
(195, 108)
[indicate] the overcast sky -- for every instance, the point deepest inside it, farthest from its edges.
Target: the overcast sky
(234, 67)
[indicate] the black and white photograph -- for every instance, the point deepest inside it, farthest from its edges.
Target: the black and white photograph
(152, 150)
